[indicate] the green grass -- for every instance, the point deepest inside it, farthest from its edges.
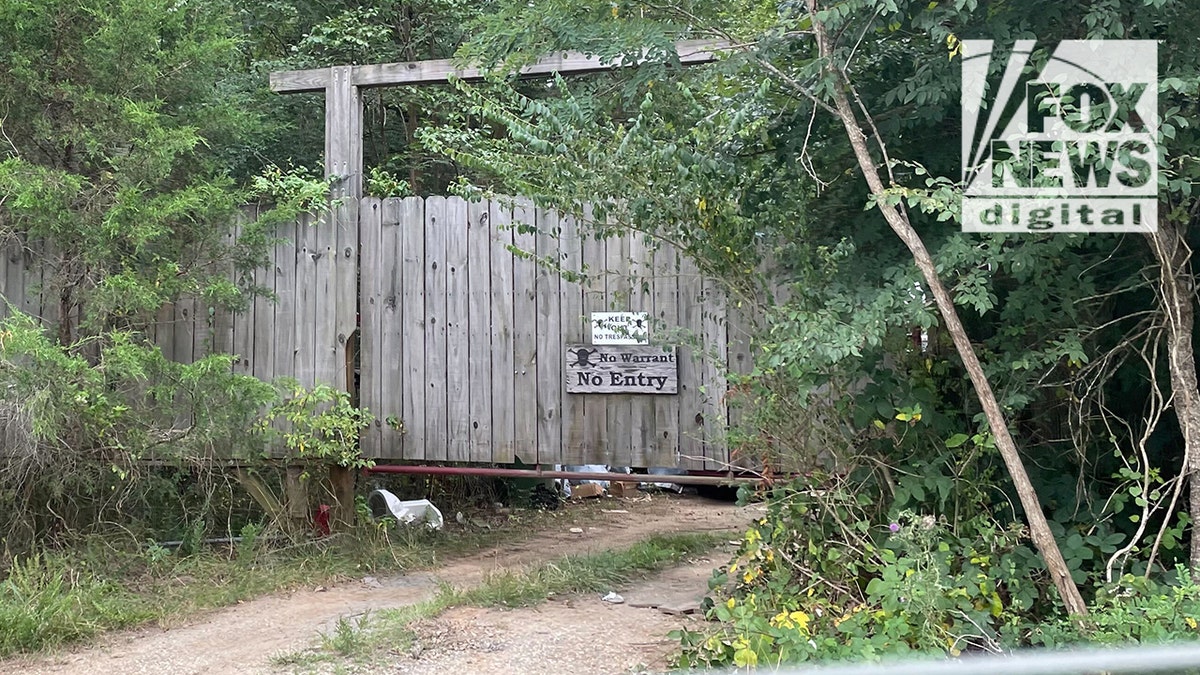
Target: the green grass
(51, 599)
(390, 631)
(45, 603)
(582, 574)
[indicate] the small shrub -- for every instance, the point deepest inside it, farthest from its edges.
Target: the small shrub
(1134, 610)
(321, 425)
(248, 547)
(347, 637)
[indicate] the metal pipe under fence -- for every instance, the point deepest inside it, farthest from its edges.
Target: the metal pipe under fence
(679, 479)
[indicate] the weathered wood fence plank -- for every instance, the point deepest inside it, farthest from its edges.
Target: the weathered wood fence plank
(286, 256)
(525, 329)
(345, 271)
(479, 328)
(574, 326)
(262, 321)
(617, 299)
(411, 251)
(691, 369)
(715, 341)
(666, 320)
(641, 299)
(548, 354)
(595, 414)
(503, 394)
(371, 357)
(391, 357)
(458, 345)
(435, 330)
(305, 327)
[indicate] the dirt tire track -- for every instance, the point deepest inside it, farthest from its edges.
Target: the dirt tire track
(243, 638)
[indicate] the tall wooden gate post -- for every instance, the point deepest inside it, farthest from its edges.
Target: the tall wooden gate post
(343, 164)
(338, 238)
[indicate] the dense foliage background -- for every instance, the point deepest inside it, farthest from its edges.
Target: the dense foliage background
(130, 132)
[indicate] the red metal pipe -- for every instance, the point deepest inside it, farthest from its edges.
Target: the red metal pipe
(681, 479)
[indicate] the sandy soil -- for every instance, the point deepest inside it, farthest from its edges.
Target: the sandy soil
(579, 635)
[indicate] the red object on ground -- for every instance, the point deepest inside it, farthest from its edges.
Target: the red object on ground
(321, 520)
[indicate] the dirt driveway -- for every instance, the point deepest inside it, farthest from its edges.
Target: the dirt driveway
(580, 635)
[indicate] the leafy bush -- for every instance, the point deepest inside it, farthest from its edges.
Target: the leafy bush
(79, 419)
(818, 578)
(1135, 609)
(320, 424)
(827, 575)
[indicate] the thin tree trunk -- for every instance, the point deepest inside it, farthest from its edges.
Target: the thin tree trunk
(1177, 292)
(1039, 528)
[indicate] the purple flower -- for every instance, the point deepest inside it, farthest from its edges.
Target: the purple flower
(894, 527)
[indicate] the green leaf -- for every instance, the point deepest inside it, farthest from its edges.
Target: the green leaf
(956, 440)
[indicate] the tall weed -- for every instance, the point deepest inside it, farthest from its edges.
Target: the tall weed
(45, 602)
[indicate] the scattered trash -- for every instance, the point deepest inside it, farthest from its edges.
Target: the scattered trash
(460, 518)
(666, 471)
(613, 598)
(587, 490)
(590, 468)
(613, 511)
(544, 497)
(576, 530)
(385, 504)
(621, 488)
(320, 589)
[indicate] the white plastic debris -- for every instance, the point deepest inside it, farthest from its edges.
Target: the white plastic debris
(590, 468)
(666, 471)
(613, 598)
(385, 504)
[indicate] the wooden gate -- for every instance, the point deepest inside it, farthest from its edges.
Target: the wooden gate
(463, 325)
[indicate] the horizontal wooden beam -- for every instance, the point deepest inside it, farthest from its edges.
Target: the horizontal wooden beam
(427, 72)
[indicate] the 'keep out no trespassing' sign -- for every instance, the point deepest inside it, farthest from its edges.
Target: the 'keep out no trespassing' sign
(621, 369)
(620, 328)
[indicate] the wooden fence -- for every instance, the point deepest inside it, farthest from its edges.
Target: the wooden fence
(304, 333)
(462, 322)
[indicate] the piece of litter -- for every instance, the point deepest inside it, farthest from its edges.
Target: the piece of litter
(384, 504)
(613, 511)
(613, 598)
(319, 589)
(587, 490)
(576, 530)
